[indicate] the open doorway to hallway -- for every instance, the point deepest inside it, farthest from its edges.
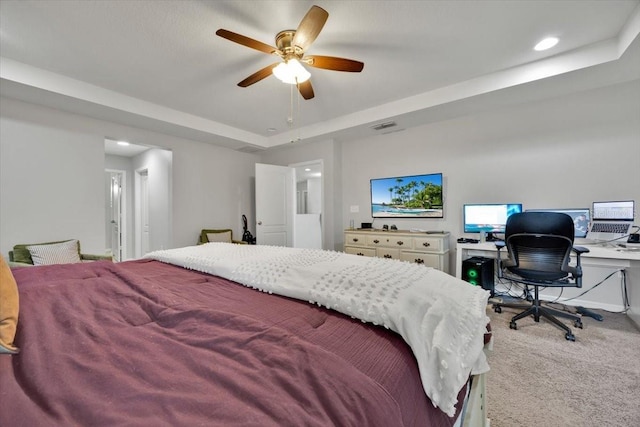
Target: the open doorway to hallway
(141, 209)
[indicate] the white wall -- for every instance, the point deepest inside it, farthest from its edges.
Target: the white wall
(51, 180)
(52, 183)
(566, 151)
(314, 195)
(561, 152)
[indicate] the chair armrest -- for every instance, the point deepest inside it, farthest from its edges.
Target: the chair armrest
(91, 257)
(18, 264)
(580, 250)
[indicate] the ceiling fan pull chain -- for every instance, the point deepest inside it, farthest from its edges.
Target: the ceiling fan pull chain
(290, 119)
(298, 99)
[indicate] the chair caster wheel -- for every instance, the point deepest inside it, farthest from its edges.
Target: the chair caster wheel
(578, 324)
(513, 325)
(570, 337)
(497, 309)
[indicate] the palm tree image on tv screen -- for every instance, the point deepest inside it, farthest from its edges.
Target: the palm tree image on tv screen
(415, 196)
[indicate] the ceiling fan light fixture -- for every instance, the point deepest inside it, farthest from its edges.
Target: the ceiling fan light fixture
(291, 72)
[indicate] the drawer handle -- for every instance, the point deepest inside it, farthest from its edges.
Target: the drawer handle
(388, 256)
(426, 244)
(360, 254)
(418, 261)
(355, 239)
(400, 242)
(376, 241)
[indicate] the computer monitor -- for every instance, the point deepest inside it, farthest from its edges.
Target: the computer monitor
(580, 216)
(490, 218)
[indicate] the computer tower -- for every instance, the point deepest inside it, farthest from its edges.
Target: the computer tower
(479, 272)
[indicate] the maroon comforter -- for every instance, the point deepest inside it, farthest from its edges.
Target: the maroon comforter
(144, 343)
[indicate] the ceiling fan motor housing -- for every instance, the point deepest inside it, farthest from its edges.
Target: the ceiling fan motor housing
(284, 39)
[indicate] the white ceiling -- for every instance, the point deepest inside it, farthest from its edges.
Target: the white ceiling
(159, 65)
(114, 148)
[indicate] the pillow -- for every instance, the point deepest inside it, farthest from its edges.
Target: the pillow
(224, 236)
(8, 308)
(56, 253)
(21, 253)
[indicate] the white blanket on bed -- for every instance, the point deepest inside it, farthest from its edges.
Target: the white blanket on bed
(442, 318)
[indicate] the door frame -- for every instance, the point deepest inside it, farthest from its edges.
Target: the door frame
(123, 229)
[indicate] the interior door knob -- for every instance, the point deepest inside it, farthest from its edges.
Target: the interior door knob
(259, 222)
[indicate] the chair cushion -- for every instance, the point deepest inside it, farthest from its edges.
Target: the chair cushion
(55, 253)
(9, 308)
(224, 236)
(22, 254)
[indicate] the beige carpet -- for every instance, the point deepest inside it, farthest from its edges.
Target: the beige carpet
(538, 378)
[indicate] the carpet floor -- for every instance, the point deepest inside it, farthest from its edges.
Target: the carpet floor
(538, 378)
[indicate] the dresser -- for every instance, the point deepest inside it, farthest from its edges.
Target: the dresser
(428, 249)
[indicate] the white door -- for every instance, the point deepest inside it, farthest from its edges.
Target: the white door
(116, 216)
(144, 210)
(141, 203)
(275, 205)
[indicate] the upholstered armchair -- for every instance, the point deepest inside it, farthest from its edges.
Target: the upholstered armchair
(61, 252)
(222, 235)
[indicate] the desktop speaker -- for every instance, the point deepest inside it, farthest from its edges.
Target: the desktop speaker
(479, 272)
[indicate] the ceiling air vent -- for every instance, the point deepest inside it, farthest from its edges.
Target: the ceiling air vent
(250, 149)
(385, 125)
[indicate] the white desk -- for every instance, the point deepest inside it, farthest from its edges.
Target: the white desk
(597, 264)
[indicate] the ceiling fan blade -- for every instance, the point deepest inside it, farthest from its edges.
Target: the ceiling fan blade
(306, 90)
(310, 27)
(246, 41)
(258, 75)
(333, 63)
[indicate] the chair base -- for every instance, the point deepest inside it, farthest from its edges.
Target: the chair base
(538, 311)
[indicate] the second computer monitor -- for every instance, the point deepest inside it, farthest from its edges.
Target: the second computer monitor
(580, 216)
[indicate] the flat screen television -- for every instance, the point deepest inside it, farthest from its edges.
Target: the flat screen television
(580, 216)
(411, 196)
(490, 218)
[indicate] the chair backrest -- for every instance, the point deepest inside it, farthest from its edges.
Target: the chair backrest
(539, 245)
(211, 235)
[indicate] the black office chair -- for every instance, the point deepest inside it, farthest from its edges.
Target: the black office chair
(539, 248)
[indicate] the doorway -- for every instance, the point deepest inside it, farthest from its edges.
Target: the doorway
(289, 205)
(116, 228)
(309, 205)
(145, 198)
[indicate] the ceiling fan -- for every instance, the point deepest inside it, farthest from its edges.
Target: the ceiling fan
(291, 47)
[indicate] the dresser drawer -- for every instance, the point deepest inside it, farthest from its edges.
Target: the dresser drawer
(389, 253)
(430, 260)
(427, 244)
(360, 251)
(389, 241)
(354, 239)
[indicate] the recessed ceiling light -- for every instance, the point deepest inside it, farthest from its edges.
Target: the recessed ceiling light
(307, 170)
(547, 43)
(123, 143)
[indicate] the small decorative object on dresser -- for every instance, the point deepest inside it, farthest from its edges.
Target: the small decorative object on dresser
(422, 248)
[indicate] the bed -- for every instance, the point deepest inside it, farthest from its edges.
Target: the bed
(224, 334)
